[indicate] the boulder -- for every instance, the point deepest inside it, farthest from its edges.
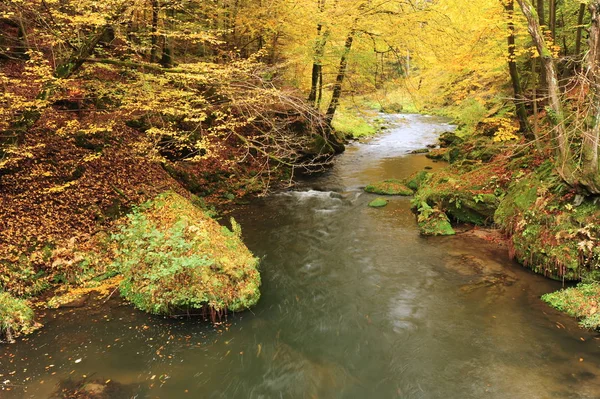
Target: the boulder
(378, 203)
(389, 187)
(175, 259)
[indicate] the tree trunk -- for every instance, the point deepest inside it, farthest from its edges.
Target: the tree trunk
(580, 17)
(552, 17)
(154, 32)
(554, 103)
(318, 59)
(167, 56)
(591, 139)
(514, 73)
(339, 80)
(542, 21)
(540, 12)
(317, 64)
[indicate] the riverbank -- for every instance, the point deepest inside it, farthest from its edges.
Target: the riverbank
(552, 228)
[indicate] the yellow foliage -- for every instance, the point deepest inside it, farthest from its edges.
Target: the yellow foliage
(506, 129)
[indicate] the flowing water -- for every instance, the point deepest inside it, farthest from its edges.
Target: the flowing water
(355, 304)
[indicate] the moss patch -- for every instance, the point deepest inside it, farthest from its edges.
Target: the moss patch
(548, 233)
(175, 258)
(581, 302)
(433, 222)
(389, 187)
(16, 317)
(378, 203)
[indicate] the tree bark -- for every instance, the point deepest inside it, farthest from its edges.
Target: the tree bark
(318, 59)
(559, 132)
(514, 73)
(582, 8)
(542, 21)
(154, 32)
(167, 54)
(591, 139)
(339, 80)
(552, 17)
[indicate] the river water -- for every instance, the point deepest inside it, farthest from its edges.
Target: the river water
(355, 304)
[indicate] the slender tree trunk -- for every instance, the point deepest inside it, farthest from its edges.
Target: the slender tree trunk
(514, 73)
(167, 56)
(154, 32)
(591, 139)
(580, 17)
(320, 92)
(337, 87)
(318, 59)
(536, 131)
(557, 116)
(542, 21)
(552, 17)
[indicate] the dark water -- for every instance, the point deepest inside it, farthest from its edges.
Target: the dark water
(355, 305)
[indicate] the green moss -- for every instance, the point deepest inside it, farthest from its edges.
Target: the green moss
(415, 181)
(581, 302)
(353, 125)
(378, 203)
(174, 258)
(16, 317)
(433, 222)
(549, 234)
(437, 154)
(389, 187)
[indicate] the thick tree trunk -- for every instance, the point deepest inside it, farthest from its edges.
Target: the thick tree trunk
(337, 87)
(540, 12)
(514, 73)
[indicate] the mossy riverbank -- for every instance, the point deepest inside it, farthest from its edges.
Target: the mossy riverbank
(552, 228)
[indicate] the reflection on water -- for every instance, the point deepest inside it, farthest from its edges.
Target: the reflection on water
(355, 304)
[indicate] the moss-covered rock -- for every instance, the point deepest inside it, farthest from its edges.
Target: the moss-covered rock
(437, 153)
(16, 317)
(378, 203)
(420, 151)
(389, 187)
(448, 139)
(415, 181)
(463, 204)
(433, 222)
(175, 258)
(547, 234)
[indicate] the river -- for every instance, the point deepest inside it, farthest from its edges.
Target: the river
(355, 304)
